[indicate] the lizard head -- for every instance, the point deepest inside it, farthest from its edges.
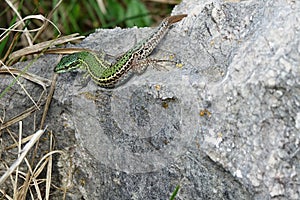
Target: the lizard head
(70, 62)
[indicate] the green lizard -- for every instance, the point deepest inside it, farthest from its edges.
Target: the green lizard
(134, 60)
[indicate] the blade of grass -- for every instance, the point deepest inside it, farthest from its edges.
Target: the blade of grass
(49, 16)
(97, 9)
(175, 192)
(22, 86)
(37, 48)
(25, 150)
(48, 101)
(49, 170)
(31, 77)
(10, 4)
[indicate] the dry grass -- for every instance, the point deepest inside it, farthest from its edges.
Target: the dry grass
(29, 176)
(28, 172)
(29, 183)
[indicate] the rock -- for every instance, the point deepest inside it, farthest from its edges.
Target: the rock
(224, 126)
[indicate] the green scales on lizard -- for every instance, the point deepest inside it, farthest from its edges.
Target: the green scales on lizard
(134, 60)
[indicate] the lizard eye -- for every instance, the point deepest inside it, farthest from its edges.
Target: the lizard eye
(73, 65)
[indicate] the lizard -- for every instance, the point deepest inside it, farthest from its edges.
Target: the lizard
(136, 60)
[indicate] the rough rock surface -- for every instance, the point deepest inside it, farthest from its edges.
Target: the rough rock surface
(224, 126)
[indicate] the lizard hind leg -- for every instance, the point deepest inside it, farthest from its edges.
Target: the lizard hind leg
(159, 64)
(140, 66)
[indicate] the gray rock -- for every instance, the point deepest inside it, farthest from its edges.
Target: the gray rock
(224, 126)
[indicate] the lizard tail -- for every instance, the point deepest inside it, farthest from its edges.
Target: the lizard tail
(173, 19)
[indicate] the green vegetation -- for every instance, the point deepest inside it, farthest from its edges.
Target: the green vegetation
(175, 192)
(74, 16)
